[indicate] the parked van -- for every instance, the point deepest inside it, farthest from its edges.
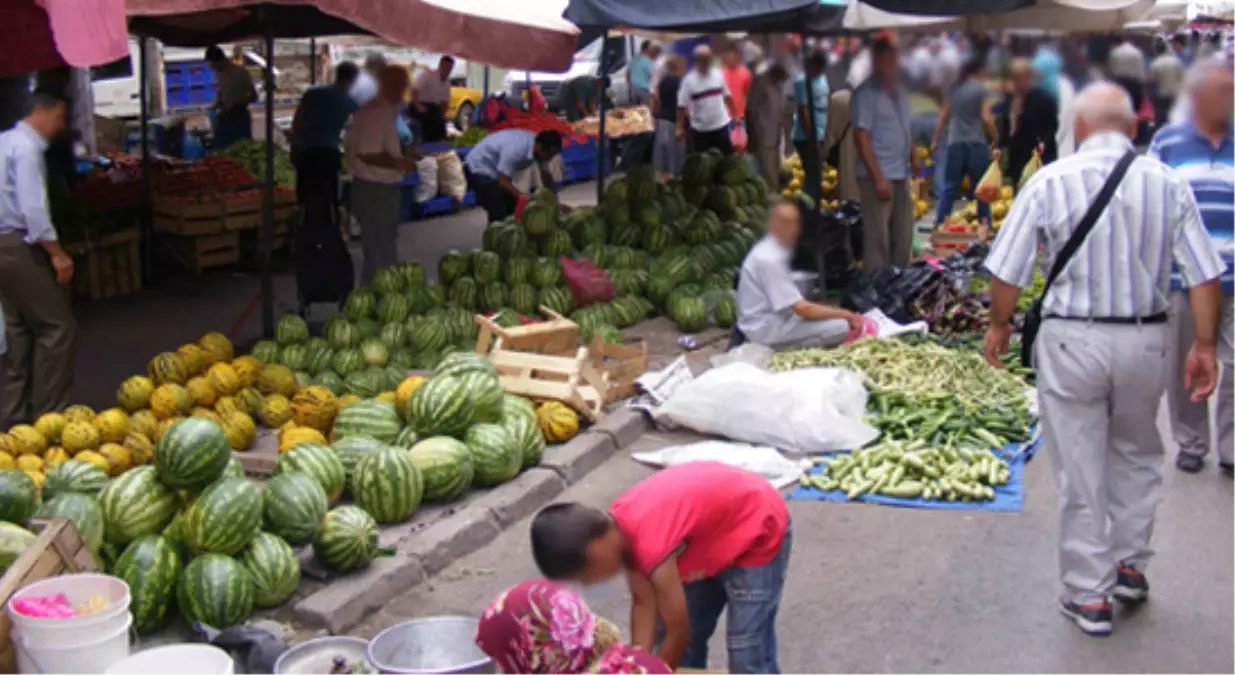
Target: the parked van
(621, 51)
(188, 81)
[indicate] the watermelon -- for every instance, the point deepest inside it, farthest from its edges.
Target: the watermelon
(394, 335)
(317, 358)
(375, 419)
(83, 510)
(557, 299)
(440, 407)
(388, 485)
(351, 450)
(426, 360)
(615, 192)
(413, 274)
(223, 519)
(403, 358)
(539, 218)
(507, 318)
(295, 357)
(319, 462)
(293, 505)
(331, 380)
(291, 329)
(347, 539)
(14, 539)
(486, 267)
(393, 308)
(191, 453)
(690, 314)
(520, 423)
(234, 469)
(556, 244)
(546, 272)
(495, 455)
(420, 301)
(513, 404)
(459, 363)
(407, 438)
(362, 383)
(347, 361)
(445, 465)
(74, 476)
(266, 351)
(656, 239)
(629, 235)
(588, 232)
(648, 215)
(387, 281)
(492, 297)
(518, 271)
(360, 304)
(375, 352)
(216, 590)
(453, 265)
(367, 328)
(273, 567)
(726, 311)
(151, 567)
(523, 299)
(463, 293)
(135, 504)
(342, 334)
(598, 253)
(511, 243)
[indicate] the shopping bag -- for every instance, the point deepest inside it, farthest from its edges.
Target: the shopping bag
(588, 283)
(451, 180)
(988, 187)
(1031, 167)
(737, 136)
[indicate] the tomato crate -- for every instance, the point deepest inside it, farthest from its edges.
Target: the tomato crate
(197, 254)
(57, 549)
(107, 267)
(207, 213)
(944, 241)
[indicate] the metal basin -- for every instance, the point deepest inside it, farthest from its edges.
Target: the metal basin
(439, 644)
(317, 656)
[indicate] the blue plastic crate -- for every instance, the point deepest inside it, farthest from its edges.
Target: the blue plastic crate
(580, 151)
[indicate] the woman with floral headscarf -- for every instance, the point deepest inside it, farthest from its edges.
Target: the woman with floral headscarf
(544, 627)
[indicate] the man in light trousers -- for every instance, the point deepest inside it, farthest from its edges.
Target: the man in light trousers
(1201, 150)
(1102, 352)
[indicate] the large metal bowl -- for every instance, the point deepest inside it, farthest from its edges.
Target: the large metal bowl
(439, 644)
(317, 656)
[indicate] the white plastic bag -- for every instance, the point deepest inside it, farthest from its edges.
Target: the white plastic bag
(450, 176)
(811, 410)
(764, 460)
(427, 188)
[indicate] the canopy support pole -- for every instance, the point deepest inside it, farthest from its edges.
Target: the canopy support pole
(813, 164)
(486, 81)
(268, 192)
(313, 61)
(602, 142)
(143, 95)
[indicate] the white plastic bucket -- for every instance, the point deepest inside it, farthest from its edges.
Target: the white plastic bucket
(91, 653)
(78, 588)
(185, 659)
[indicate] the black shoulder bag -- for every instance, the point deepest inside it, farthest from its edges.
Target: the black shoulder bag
(833, 158)
(1033, 317)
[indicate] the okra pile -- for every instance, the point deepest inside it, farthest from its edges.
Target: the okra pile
(910, 470)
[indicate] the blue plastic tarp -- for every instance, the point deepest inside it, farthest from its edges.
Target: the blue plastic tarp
(709, 16)
(1008, 497)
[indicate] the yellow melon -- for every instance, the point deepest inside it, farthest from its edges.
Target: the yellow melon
(167, 367)
(387, 396)
(79, 436)
(79, 413)
(134, 393)
(276, 411)
(37, 477)
(557, 422)
(94, 458)
(8, 445)
(118, 457)
(113, 425)
(229, 404)
(247, 368)
(290, 438)
(404, 393)
(56, 455)
(194, 359)
(143, 422)
(276, 379)
(252, 400)
(240, 430)
(29, 463)
(223, 378)
(170, 400)
(50, 425)
(27, 440)
(140, 448)
(164, 425)
(315, 407)
(207, 413)
(7, 461)
(203, 393)
(218, 345)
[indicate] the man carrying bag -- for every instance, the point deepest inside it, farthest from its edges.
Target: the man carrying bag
(1101, 352)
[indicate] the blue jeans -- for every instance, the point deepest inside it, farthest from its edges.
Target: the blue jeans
(753, 596)
(963, 160)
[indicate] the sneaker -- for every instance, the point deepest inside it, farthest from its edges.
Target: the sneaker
(1227, 469)
(1094, 618)
(1189, 463)
(1130, 585)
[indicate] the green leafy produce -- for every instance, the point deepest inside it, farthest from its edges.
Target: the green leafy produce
(252, 156)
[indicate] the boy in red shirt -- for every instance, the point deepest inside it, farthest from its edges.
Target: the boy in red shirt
(691, 539)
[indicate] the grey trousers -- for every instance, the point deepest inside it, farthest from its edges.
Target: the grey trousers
(37, 370)
(887, 225)
(768, 157)
(1190, 421)
(376, 207)
(807, 334)
(1099, 387)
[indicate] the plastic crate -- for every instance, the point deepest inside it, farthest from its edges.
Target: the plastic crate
(580, 151)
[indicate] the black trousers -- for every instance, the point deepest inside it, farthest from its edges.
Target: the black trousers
(702, 141)
(1162, 110)
(317, 171)
(496, 202)
(432, 122)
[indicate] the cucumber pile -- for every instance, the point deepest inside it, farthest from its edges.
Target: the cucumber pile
(911, 470)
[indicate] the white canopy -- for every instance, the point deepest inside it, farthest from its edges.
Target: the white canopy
(1072, 16)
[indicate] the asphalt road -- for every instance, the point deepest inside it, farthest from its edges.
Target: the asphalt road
(882, 589)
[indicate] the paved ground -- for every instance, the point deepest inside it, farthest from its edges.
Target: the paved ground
(899, 590)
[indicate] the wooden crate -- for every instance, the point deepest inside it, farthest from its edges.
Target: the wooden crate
(623, 364)
(947, 242)
(558, 336)
(208, 216)
(109, 266)
(198, 254)
(569, 379)
(58, 549)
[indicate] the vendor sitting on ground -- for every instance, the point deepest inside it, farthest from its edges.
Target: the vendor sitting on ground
(771, 309)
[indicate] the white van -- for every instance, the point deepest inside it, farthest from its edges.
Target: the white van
(116, 86)
(622, 51)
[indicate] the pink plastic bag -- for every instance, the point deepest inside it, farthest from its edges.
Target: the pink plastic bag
(45, 607)
(588, 283)
(737, 136)
(869, 329)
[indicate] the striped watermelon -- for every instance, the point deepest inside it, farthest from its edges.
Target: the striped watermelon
(486, 393)
(351, 450)
(486, 267)
(512, 404)
(266, 351)
(234, 469)
(441, 407)
(459, 363)
(407, 438)
(342, 334)
(518, 271)
(347, 539)
(318, 461)
(291, 329)
(492, 297)
(318, 358)
(428, 336)
(216, 590)
(368, 328)
(375, 419)
(394, 335)
(375, 352)
(360, 304)
(453, 265)
(136, 504)
(521, 425)
(393, 308)
(546, 272)
(557, 299)
(83, 510)
(223, 519)
(74, 476)
(273, 567)
(293, 505)
(388, 280)
(388, 485)
(295, 357)
(192, 453)
(413, 274)
(495, 455)
(523, 299)
(446, 466)
(331, 380)
(151, 567)
(347, 361)
(463, 293)
(14, 540)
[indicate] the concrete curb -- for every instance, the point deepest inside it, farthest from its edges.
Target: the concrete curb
(345, 601)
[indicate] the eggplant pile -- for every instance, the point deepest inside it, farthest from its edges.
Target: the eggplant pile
(950, 311)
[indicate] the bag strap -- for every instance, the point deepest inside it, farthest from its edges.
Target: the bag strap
(1090, 219)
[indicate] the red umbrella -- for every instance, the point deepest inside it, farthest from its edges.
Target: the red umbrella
(41, 34)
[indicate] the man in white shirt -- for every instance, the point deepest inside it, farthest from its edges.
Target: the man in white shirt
(431, 98)
(704, 106)
(376, 162)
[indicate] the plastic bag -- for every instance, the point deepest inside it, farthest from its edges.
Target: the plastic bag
(780, 471)
(1031, 167)
(427, 169)
(737, 136)
(811, 410)
(988, 187)
(450, 176)
(889, 290)
(588, 283)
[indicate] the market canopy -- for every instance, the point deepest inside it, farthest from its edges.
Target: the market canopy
(495, 32)
(1065, 16)
(709, 16)
(41, 34)
(949, 7)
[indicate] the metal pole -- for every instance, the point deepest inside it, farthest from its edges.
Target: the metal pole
(486, 86)
(143, 95)
(268, 192)
(814, 173)
(602, 142)
(313, 61)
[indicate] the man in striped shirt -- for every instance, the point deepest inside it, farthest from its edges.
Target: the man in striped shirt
(1102, 352)
(1201, 151)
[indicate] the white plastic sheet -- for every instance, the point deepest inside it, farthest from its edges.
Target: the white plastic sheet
(764, 460)
(812, 410)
